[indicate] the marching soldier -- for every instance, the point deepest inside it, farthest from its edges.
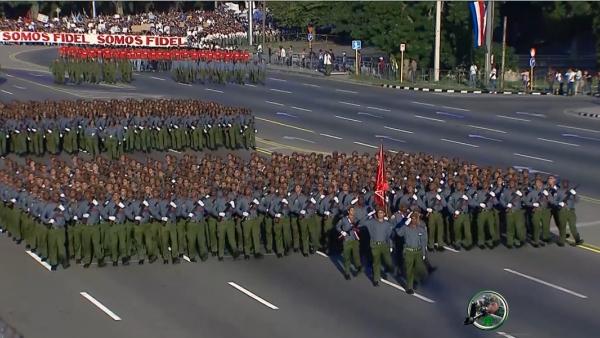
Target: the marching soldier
(512, 202)
(458, 206)
(247, 211)
(380, 231)
(415, 249)
(565, 200)
(485, 200)
(279, 212)
(537, 200)
(223, 213)
(55, 217)
(435, 204)
(348, 230)
(196, 227)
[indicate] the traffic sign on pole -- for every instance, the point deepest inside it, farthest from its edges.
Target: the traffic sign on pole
(309, 37)
(532, 62)
(356, 44)
(402, 47)
(532, 52)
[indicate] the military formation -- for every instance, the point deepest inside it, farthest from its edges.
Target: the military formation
(218, 72)
(122, 126)
(75, 71)
(104, 210)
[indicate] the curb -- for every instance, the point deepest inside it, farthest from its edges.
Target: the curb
(438, 90)
(597, 116)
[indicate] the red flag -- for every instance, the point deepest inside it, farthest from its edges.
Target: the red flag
(381, 185)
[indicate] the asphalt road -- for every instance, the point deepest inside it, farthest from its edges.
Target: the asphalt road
(299, 113)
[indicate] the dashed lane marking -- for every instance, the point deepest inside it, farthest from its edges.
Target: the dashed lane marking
(7, 92)
(331, 136)
(346, 91)
(366, 145)
(488, 129)
(100, 306)
(280, 91)
(349, 103)
(577, 128)
(513, 118)
(400, 130)
(534, 157)
(429, 118)
(347, 118)
(558, 142)
(554, 286)
(302, 109)
(275, 103)
(157, 78)
(214, 90)
(461, 143)
(380, 109)
(253, 296)
(276, 79)
(284, 125)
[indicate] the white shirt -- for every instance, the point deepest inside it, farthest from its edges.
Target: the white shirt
(327, 59)
(282, 52)
(493, 74)
(473, 70)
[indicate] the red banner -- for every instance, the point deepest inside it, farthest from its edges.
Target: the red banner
(93, 39)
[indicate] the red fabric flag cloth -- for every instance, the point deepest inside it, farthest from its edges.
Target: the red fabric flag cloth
(381, 185)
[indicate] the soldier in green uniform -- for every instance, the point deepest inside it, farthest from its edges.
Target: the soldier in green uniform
(196, 226)
(348, 231)
(414, 252)
(458, 206)
(380, 231)
(91, 236)
(565, 200)
(512, 201)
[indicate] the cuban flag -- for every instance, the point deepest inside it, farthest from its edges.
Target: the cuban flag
(478, 13)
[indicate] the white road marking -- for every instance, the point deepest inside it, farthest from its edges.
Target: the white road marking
(276, 79)
(449, 248)
(39, 260)
(184, 84)
(286, 114)
(484, 137)
(321, 253)
(488, 129)
(559, 142)
(587, 224)
(253, 296)
(10, 75)
(7, 92)
(389, 138)
(327, 135)
(504, 334)
(280, 91)
(577, 128)
(249, 85)
(187, 259)
(400, 130)
(380, 109)
(423, 103)
(534, 157)
(157, 78)
(275, 103)
(530, 114)
(298, 138)
(349, 103)
(396, 286)
(458, 116)
(346, 91)
(369, 114)
(298, 108)
(347, 118)
(560, 288)
(581, 137)
(19, 87)
(461, 109)
(100, 306)
(461, 143)
(38, 75)
(175, 151)
(311, 85)
(214, 90)
(429, 118)
(366, 145)
(513, 118)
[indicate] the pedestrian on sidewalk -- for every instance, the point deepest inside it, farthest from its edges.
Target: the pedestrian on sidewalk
(413, 70)
(493, 78)
(473, 76)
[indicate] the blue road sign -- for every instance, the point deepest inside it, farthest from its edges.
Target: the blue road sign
(356, 44)
(532, 62)
(309, 37)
